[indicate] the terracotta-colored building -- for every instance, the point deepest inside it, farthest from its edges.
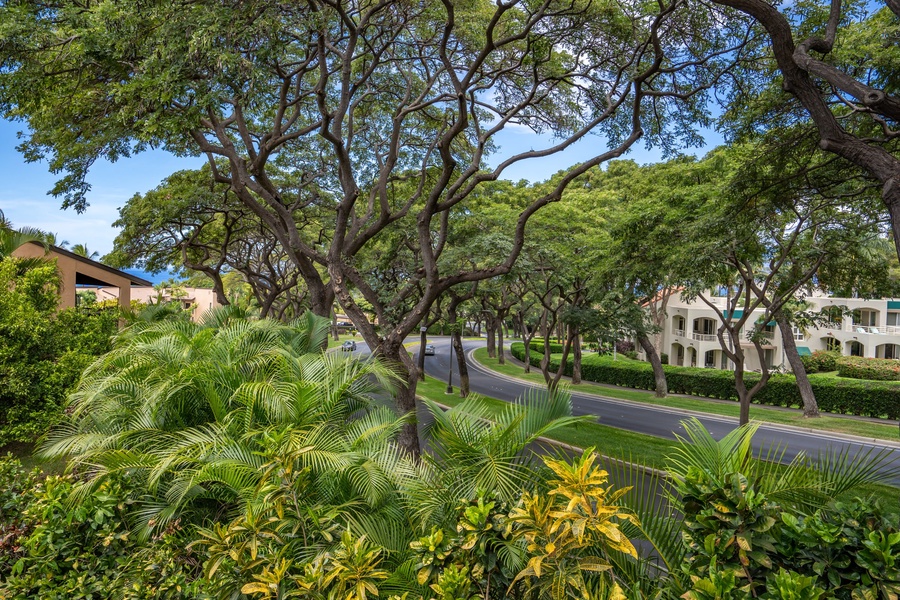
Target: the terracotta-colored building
(75, 270)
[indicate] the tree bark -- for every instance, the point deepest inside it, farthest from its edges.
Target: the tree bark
(810, 406)
(405, 395)
(420, 363)
(527, 336)
(334, 326)
(456, 340)
(659, 374)
(545, 358)
(576, 358)
(500, 358)
(567, 346)
(491, 325)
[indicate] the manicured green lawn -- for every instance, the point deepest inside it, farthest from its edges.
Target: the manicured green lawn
(332, 343)
(885, 431)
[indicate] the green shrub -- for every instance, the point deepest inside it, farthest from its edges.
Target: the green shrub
(17, 493)
(860, 545)
(842, 396)
(664, 358)
(42, 352)
(70, 544)
(851, 550)
(874, 369)
(821, 361)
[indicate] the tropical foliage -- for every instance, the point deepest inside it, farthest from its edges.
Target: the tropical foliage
(232, 458)
(42, 350)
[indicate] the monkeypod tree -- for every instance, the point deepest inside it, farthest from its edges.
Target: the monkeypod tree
(383, 113)
(834, 66)
(191, 221)
(762, 248)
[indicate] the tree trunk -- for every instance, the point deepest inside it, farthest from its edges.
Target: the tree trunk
(500, 359)
(334, 326)
(420, 363)
(576, 358)
(491, 330)
(659, 374)
(545, 359)
(266, 306)
(456, 340)
(567, 346)
(405, 394)
(527, 336)
(744, 401)
(810, 406)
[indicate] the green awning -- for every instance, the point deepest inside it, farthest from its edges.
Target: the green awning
(803, 351)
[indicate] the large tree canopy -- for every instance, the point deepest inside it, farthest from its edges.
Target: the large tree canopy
(832, 65)
(382, 113)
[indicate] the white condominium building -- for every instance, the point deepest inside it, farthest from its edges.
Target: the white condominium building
(854, 327)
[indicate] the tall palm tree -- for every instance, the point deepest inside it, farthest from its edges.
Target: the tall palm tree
(53, 239)
(82, 250)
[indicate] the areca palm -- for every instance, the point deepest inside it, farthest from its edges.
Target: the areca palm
(210, 418)
(802, 485)
(470, 451)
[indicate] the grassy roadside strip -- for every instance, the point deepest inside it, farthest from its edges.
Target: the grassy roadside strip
(332, 343)
(617, 443)
(758, 413)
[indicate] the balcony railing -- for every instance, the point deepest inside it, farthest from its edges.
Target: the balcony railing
(873, 329)
(678, 332)
(704, 337)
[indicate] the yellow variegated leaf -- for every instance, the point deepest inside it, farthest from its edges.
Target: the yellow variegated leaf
(255, 588)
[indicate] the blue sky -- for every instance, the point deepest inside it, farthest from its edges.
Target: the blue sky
(24, 199)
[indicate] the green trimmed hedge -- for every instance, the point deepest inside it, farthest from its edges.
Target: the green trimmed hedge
(842, 396)
(538, 346)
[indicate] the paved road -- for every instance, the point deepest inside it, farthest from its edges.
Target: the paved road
(659, 421)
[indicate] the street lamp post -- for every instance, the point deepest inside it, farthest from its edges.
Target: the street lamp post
(450, 377)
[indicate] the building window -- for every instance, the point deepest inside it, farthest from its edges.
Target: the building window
(864, 317)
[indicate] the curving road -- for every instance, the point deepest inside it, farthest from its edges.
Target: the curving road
(654, 420)
(659, 421)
